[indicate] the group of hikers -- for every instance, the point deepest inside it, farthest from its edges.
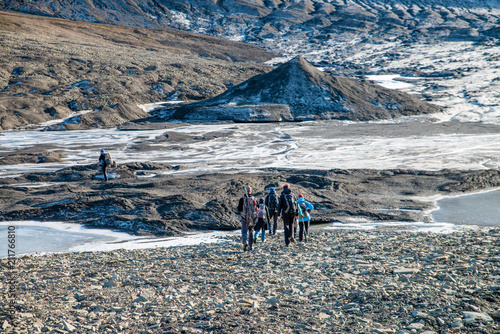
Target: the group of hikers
(262, 215)
(257, 217)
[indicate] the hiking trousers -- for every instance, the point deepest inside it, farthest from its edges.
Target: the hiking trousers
(105, 174)
(288, 226)
(303, 230)
(247, 232)
(274, 227)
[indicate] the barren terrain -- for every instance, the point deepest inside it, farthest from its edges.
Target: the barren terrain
(174, 177)
(91, 75)
(51, 68)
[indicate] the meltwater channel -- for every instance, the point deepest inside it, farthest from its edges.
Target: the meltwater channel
(482, 209)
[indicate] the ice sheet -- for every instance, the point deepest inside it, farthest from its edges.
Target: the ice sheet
(250, 147)
(39, 238)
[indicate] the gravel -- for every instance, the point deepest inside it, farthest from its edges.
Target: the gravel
(340, 281)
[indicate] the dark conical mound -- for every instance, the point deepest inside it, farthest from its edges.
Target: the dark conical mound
(297, 90)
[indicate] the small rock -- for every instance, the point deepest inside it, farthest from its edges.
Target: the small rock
(416, 326)
(5, 325)
(116, 309)
(140, 299)
(109, 284)
(418, 314)
(383, 331)
(37, 326)
(405, 271)
(69, 327)
(80, 297)
(273, 302)
(471, 317)
(457, 323)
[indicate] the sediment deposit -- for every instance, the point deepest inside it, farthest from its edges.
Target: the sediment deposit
(379, 281)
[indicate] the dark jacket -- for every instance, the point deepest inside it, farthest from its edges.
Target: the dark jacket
(282, 203)
(267, 201)
(102, 159)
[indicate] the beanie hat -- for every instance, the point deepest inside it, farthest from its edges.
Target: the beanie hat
(271, 189)
(301, 196)
(286, 186)
(102, 150)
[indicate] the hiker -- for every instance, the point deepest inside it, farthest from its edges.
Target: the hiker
(247, 206)
(288, 210)
(304, 218)
(262, 221)
(104, 163)
(271, 203)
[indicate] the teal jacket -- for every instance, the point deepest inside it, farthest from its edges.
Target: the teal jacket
(304, 208)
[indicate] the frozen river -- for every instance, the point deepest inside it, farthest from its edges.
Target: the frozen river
(247, 147)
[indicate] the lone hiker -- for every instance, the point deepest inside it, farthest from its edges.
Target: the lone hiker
(104, 162)
(304, 217)
(247, 206)
(288, 210)
(271, 202)
(262, 221)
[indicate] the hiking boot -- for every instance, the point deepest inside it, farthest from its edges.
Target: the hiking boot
(245, 247)
(292, 239)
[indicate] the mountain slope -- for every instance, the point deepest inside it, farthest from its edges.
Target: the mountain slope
(50, 68)
(297, 90)
(261, 20)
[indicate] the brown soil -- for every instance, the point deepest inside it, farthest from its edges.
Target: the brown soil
(50, 68)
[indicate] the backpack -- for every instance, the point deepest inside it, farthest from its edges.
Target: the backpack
(303, 210)
(290, 204)
(262, 211)
(272, 202)
(249, 209)
(109, 160)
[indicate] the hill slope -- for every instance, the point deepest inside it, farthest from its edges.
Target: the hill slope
(50, 68)
(297, 90)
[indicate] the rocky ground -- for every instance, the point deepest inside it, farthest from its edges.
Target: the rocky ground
(171, 203)
(338, 282)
